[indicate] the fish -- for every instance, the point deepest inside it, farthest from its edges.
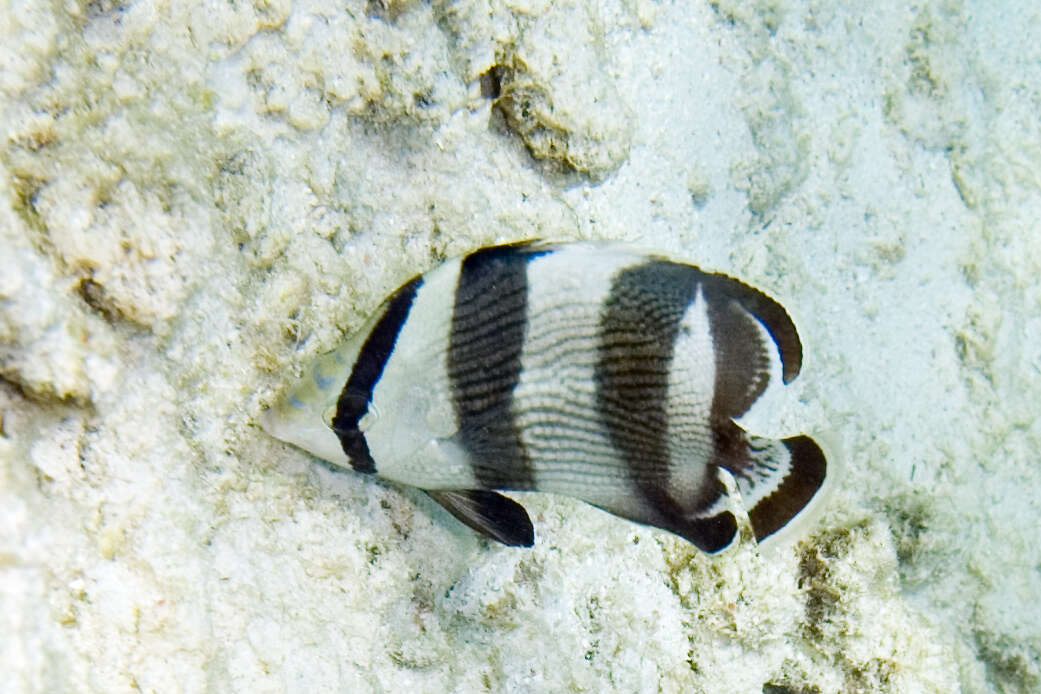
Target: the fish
(593, 370)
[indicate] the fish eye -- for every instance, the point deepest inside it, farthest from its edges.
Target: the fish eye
(352, 400)
(352, 403)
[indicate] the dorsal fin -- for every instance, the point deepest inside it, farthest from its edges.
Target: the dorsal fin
(770, 313)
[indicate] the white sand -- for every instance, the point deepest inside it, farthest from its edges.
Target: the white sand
(195, 200)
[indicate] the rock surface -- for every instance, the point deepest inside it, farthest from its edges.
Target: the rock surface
(197, 198)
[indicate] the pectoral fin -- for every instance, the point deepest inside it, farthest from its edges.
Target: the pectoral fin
(493, 515)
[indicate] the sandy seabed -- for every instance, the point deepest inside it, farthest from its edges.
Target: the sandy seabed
(198, 198)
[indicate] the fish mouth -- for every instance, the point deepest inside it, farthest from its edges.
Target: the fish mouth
(275, 422)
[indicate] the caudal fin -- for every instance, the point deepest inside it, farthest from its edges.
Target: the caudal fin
(780, 482)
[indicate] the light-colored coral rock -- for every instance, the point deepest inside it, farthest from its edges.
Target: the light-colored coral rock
(558, 92)
(197, 198)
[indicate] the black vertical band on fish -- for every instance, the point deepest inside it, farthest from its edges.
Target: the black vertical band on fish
(484, 362)
(639, 327)
(356, 394)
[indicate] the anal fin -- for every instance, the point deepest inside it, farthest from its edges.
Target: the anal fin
(710, 534)
(489, 513)
(711, 529)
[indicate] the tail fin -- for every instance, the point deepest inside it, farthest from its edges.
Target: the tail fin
(781, 480)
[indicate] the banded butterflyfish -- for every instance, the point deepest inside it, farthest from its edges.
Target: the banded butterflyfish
(590, 369)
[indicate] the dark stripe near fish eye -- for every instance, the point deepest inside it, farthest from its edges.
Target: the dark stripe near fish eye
(639, 326)
(357, 392)
(489, 321)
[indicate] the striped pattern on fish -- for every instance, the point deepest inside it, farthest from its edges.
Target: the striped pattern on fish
(591, 370)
